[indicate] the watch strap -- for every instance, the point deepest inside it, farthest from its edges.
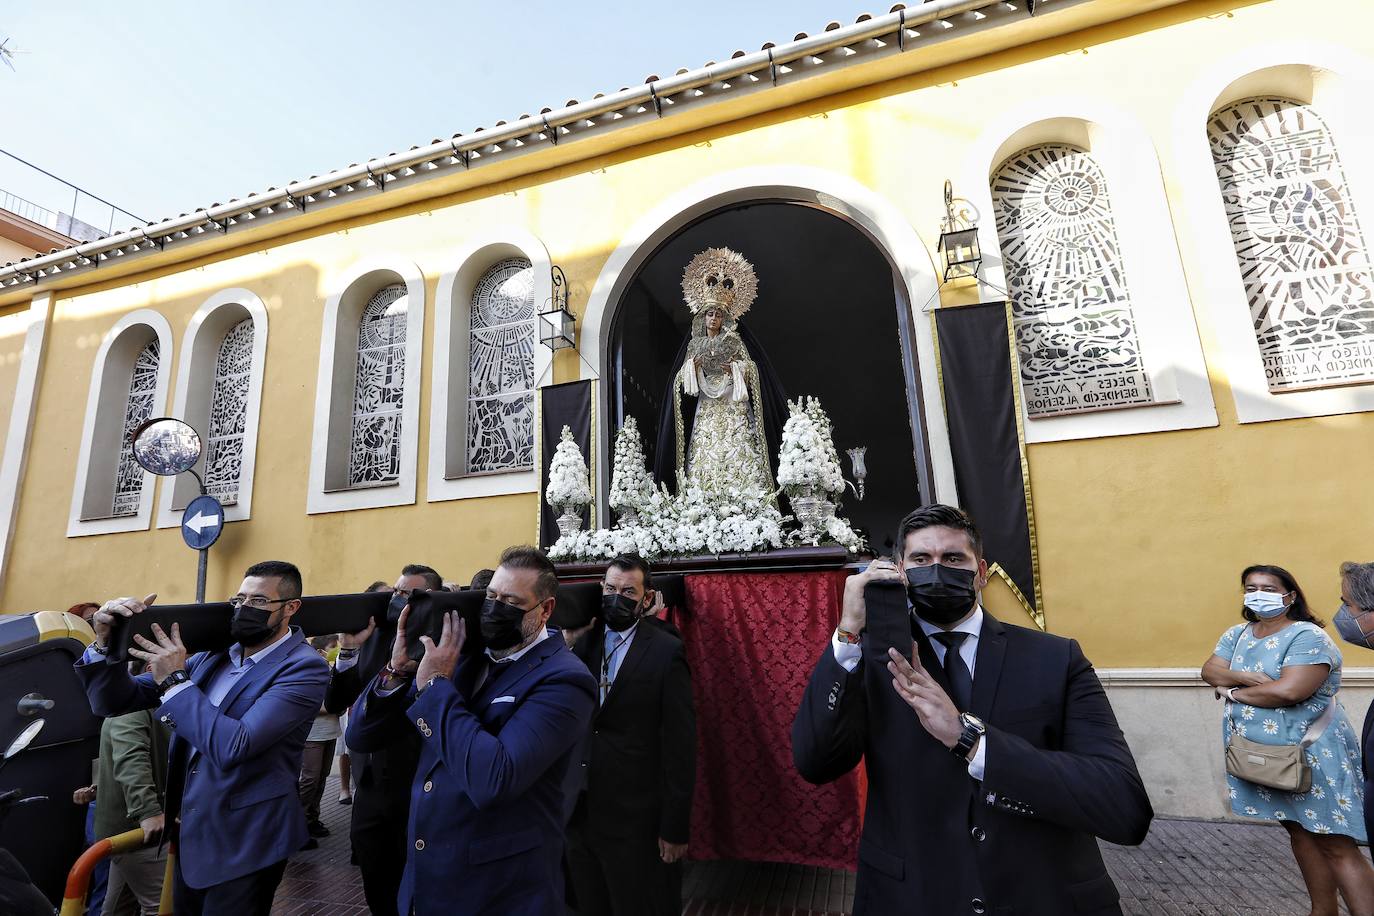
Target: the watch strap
(968, 738)
(180, 676)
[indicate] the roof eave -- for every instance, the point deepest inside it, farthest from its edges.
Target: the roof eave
(868, 52)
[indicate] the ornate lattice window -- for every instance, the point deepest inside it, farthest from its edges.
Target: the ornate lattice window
(229, 413)
(1298, 242)
(501, 369)
(128, 489)
(379, 390)
(1075, 331)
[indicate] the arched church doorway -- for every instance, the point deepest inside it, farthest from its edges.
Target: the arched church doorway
(831, 320)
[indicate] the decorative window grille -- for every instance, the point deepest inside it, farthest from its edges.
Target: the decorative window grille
(1298, 242)
(228, 413)
(128, 491)
(379, 390)
(501, 369)
(1075, 332)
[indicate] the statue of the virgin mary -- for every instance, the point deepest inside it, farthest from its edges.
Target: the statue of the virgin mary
(727, 447)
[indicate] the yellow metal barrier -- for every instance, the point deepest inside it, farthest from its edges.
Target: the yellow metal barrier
(79, 878)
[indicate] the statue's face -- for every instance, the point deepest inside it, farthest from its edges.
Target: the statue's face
(714, 317)
(720, 289)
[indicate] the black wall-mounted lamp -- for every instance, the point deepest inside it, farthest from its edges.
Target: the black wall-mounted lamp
(958, 241)
(557, 326)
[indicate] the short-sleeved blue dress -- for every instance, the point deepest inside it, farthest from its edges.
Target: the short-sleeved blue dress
(1335, 802)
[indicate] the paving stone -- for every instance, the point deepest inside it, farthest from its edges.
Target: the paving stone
(1184, 868)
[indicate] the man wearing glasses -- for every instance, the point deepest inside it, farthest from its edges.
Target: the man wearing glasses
(239, 720)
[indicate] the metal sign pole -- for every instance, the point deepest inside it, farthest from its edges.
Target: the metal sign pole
(201, 524)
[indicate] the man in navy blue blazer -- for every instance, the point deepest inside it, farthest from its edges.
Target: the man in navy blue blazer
(239, 719)
(497, 730)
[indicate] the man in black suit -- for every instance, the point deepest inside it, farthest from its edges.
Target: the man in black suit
(377, 828)
(632, 780)
(992, 754)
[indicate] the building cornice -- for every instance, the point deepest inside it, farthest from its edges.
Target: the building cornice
(872, 50)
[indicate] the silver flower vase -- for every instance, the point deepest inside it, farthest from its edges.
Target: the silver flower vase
(806, 505)
(570, 522)
(629, 518)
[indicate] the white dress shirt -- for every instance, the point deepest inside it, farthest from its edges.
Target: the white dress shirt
(848, 655)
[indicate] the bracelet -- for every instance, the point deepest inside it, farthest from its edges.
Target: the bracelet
(99, 649)
(347, 653)
(430, 683)
(846, 637)
(388, 671)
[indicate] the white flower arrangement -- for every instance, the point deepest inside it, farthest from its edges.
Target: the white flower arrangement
(807, 459)
(568, 477)
(684, 525)
(693, 522)
(632, 489)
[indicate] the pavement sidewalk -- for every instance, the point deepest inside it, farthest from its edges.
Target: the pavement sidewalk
(1198, 868)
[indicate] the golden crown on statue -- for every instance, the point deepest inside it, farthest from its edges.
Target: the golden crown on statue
(720, 278)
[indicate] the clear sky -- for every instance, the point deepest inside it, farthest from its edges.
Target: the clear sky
(165, 107)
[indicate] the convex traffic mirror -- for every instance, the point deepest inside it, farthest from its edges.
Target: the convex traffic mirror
(23, 739)
(166, 446)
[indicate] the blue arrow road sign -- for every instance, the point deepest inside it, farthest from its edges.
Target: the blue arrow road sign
(202, 522)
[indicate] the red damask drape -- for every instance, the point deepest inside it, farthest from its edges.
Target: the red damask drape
(752, 640)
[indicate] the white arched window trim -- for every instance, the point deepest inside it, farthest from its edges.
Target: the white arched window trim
(448, 393)
(328, 488)
(199, 352)
(1165, 324)
(113, 366)
(840, 194)
(1338, 83)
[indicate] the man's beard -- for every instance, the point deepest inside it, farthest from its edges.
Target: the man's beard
(527, 633)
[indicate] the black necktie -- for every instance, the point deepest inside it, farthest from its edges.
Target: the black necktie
(956, 672)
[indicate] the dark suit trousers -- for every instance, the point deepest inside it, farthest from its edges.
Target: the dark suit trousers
(250, 895)
(379, 850)
(614, 876)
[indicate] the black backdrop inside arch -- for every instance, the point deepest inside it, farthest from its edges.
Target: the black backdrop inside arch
(828, 318)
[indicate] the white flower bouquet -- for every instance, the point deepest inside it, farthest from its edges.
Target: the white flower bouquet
(683, 525)
(568, 477)
(807, 460)
(656, 523)
(633, 493)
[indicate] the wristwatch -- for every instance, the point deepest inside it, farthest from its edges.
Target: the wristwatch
(973, 730)
(176, 677)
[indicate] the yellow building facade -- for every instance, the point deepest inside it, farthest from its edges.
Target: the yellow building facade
(1144, 515)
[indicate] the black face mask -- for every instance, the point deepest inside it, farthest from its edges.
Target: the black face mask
(251, 626)
(501, 624)
(940, 594)
(398, 603)
(619, 611)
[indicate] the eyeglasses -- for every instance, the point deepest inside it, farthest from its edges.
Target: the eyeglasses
(256, 601)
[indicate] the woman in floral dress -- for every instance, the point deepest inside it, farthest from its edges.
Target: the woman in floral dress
(1278, 672)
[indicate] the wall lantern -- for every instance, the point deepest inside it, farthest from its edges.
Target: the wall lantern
(557, 326)
(958, 241)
